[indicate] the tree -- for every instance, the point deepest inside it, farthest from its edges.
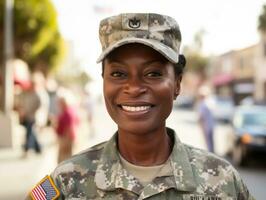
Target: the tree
(49, 58)
(36, 37)
(262, 20)
(196, 61)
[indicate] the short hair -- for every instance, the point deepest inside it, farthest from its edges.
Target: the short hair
(179, 67)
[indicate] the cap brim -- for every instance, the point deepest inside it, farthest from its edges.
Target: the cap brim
(166, 51)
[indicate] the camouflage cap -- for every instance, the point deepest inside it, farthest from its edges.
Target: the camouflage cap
(157, 31)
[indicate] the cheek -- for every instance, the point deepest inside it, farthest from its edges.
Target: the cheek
(169, 95)
(167, 91)
(166, 96)
(108, 102)
(109, 93)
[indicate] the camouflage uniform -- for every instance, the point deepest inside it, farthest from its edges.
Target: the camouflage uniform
(97, 173)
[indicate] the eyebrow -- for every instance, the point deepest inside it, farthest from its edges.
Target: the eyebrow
(110, 60)
(155, 60)
(145, 63)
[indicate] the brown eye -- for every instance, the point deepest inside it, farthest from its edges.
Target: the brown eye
(154, 74)
(118, 74)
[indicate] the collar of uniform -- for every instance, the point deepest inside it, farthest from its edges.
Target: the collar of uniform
(183, 179)
(182, 170)
(110, 174)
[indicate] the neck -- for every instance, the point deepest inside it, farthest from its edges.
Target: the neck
(147, 149)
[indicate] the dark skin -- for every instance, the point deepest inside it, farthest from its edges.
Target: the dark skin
(140, 86)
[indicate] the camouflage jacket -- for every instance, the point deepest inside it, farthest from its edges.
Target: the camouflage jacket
(197, 175)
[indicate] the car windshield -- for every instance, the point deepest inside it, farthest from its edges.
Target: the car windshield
(254, 119)
(250, 118)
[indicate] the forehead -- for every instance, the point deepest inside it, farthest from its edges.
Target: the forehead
(135, 50)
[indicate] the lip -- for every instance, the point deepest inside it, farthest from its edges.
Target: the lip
(135, 103)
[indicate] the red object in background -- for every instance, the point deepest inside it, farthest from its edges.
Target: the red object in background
(22, 83)
(68, 120)
(222, 79)
(21, 74)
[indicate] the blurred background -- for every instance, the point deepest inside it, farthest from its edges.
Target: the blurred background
(52, 46)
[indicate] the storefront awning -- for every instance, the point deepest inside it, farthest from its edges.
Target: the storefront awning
(222, 79)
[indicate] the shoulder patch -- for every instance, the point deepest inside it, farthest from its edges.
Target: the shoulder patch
(45, 190)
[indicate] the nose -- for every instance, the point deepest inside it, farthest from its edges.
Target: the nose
(135, 87)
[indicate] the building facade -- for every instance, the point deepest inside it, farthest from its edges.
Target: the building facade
(241, 73)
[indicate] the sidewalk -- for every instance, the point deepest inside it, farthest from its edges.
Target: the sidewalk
(19, 174)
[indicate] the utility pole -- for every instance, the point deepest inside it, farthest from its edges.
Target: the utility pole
(8, 56)
(6, 119)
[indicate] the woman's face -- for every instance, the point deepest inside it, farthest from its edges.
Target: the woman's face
(139, 88)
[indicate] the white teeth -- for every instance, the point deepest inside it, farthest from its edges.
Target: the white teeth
(135, 108)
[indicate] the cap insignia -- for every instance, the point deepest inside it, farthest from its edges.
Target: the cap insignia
(134, 23)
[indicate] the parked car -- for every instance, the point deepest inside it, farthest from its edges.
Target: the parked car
(249, 129)
(222, 108)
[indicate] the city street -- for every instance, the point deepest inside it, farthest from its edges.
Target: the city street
(18, 175)
(212, 54)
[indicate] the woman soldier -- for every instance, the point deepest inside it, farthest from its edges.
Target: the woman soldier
(142, 71)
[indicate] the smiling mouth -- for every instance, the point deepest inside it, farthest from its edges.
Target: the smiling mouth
(137, 108)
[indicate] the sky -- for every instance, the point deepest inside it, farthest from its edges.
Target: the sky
(228, 24)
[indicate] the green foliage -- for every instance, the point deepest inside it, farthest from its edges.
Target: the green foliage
(36, 37)
(262, 20)
(196, 61)
(50, 57)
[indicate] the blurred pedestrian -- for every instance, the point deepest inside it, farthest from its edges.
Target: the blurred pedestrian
(67, 123)
(52, 89)
(206, 118)
(27, 105)
(142, 71)
(42, 112)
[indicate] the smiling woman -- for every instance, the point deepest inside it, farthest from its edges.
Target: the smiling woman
(139, 88)
(142, 72)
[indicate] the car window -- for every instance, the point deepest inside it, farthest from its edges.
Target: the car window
(256, 119)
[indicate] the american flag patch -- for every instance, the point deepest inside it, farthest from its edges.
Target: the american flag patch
(45, 190)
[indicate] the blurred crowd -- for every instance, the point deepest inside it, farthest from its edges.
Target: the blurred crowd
(44, 102)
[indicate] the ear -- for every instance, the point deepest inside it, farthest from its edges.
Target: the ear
(178, 80)
(103, 67)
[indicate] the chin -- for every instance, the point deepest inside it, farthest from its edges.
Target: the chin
(140, 128)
